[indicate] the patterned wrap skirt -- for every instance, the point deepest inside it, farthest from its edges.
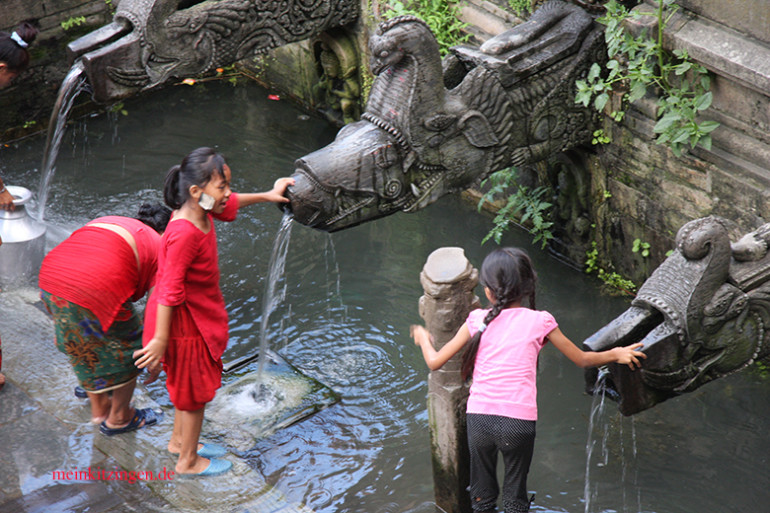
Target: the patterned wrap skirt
(102, 361)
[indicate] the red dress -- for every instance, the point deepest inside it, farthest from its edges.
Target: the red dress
(188, 279)
(96, 268)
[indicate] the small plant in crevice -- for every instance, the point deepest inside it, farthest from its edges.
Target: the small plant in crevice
(643, 248)
(640, 63)
(525, 206)
(73, 22)
(611, 279)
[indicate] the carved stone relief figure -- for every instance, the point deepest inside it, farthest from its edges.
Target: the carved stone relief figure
(337, 91)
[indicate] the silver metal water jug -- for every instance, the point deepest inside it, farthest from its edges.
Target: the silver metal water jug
(23, 247)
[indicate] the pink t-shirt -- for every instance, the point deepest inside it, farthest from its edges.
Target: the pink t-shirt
(505, 373)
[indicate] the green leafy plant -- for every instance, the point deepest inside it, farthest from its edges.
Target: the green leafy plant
(599, 137)
(442, 16)
(641, 247)
(525, 206)
(73, 22)
(611, 279)
(638, 63)
(520, 7)
(118, 108)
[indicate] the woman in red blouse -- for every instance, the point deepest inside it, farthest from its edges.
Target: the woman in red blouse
(185, 319)
(88, 283)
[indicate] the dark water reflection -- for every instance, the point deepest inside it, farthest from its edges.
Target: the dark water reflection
(350, 298)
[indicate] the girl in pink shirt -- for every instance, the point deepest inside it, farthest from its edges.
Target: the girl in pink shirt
(185, 318)
(502, 406)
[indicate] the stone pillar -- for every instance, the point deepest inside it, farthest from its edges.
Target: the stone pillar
(448, 280)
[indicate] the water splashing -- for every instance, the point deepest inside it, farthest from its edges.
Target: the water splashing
(72, 85)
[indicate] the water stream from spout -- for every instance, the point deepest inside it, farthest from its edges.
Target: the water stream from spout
(273, 295)
(72, 85)
(597, 411)
(599, 434)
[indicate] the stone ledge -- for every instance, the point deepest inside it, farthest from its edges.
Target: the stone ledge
(723, 50)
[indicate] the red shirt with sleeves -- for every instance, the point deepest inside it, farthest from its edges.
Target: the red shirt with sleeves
(96, 268)
(188, 274)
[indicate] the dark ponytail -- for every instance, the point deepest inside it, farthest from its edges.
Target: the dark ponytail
(197, 168)
(13, 46)
(154, 215)
(509, 274)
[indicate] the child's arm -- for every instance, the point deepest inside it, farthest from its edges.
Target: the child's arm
(437, 359)
(628, 355)
(275, 195)
(150, 356)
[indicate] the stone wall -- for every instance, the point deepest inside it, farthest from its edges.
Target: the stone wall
(32, 95)
(652, 193)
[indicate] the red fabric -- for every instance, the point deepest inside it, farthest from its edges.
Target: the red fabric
(192, 376)
(188, 273)
(96, 268)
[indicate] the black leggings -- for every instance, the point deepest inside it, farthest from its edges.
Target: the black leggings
(515, 438)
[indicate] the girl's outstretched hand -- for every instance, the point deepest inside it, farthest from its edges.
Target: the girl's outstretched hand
(420, 335)
(629, 355)
(277, 194)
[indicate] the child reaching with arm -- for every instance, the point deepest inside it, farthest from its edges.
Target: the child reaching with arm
(502, 406)
(185, 318)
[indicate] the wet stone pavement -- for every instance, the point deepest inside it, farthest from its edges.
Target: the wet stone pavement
(45, 434)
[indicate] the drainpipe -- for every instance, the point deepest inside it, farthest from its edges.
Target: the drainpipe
(448, 280)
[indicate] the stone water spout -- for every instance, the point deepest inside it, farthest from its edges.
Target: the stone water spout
(151, 41)
(701, 315)
(434, 127)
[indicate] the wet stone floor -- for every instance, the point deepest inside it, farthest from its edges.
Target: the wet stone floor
(55, 460)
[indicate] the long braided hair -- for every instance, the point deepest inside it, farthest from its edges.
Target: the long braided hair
(509, 274)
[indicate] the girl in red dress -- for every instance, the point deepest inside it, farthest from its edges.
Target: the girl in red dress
(185, 318)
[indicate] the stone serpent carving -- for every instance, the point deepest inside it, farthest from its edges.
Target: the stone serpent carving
(150, 41)
(431, 127)
(701, 316)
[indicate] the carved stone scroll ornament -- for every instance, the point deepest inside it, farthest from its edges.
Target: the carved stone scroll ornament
(701, 315)
(151, 41)
(431, 128)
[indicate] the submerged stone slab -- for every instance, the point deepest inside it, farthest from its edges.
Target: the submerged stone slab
(254, 404)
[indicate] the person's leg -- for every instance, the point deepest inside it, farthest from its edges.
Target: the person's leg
(189, 430)
(517, 443)
(483, 454)
(100, 406)
(121, 412)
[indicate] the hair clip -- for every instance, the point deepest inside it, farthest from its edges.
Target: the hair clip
(19, 41)
(482, 327)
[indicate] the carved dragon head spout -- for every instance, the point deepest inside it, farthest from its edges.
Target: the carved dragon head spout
(701, 315)
(151, 41)
(447, 125)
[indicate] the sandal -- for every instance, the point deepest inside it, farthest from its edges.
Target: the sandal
(142, 418)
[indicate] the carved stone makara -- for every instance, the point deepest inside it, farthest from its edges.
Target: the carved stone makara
(151, 41)
(432, 127)
(701, 315)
